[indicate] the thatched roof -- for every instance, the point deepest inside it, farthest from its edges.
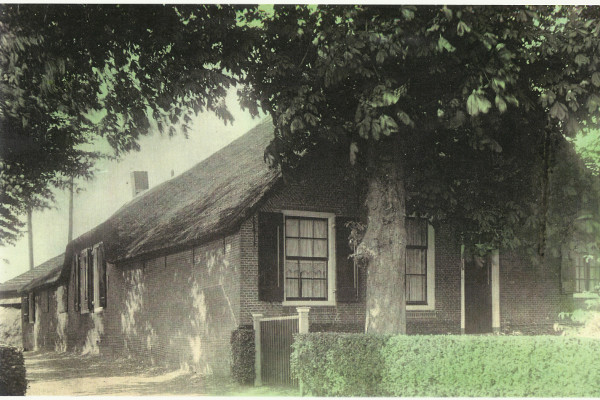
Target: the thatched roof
(209, 200)
(46, 273)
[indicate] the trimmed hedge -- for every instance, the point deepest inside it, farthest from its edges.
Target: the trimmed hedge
(338, 364)
(242, 354)
(458, 366)
(12, 372)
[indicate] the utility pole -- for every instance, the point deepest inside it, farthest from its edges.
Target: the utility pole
(70, 212)
(30, 237)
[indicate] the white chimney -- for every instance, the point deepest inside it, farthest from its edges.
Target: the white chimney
(139, 182)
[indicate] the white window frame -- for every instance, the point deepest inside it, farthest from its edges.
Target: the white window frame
(430, 306)
(331, 278)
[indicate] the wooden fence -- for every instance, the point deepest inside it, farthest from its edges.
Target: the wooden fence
(273, 338)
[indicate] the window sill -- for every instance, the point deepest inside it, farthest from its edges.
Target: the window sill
(299, 303)
(98, 309)
(586, 295)
(421, 307)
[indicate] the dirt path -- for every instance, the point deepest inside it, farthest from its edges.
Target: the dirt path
(68, 374)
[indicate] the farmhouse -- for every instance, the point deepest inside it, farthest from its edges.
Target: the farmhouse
(174, 272)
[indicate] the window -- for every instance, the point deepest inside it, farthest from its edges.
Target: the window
(306, 258)
(420, 265)
(587, 274)
(90, 279)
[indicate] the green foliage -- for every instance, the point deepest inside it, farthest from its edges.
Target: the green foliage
(333, 364)
(12, 372)
(242, 354)
(437, 366)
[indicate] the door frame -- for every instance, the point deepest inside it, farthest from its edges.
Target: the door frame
(495, 258)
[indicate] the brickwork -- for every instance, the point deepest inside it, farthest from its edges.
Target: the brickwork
(530, 298)
(326, 192)
(177, 310)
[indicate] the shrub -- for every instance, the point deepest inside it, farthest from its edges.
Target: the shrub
(12, 372)
(487, 366)
(492, 366)
(333, 364)
(242, 349)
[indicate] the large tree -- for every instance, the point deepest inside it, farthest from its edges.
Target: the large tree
(457, 114)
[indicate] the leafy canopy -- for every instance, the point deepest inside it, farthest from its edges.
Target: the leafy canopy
(479, 98)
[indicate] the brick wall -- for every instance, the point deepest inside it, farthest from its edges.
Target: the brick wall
(177, 310)
(325, 191)
(530, 297)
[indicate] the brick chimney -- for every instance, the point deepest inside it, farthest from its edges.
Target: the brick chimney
(139, 182)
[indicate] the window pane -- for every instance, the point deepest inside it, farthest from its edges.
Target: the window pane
(305, 248)
(416, 261)
(416, 232)
(320, 247)
(415, 289)
(320, 269)
(291, 247)
(320, 228)
(291, 283)
(291, 269)
(306, 228)
(306, 272)
(291, 288)
(291, 227)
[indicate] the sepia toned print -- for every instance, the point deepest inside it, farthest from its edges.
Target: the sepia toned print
(407, 207)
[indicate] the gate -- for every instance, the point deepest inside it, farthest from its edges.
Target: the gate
(273, 338)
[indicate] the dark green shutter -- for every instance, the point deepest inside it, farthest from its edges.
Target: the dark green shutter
(32, 307)
(90, 279)
(270, 256)
(76, 292)
(347, 284)
(101, 277)
(25, 308)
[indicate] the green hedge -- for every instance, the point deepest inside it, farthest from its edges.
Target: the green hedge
(12, 372)
(242, 354)
(459, 366)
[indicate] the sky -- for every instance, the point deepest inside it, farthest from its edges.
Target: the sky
(110, 189)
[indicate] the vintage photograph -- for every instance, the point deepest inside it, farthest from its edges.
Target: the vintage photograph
(326, 200)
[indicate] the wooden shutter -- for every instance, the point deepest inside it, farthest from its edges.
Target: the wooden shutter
(32, 307)
(101, 277)
(83, 294)
(76, 292)
(567, 271)
(91, 257)
(346, 271)
(25, 308)
(270, 257)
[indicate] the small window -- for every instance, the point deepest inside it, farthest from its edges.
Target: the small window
(306, 258)
(416, 261)
(90, 280)
(587, 274)
(420, 264)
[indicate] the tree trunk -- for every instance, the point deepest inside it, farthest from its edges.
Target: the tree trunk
(385, 244)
